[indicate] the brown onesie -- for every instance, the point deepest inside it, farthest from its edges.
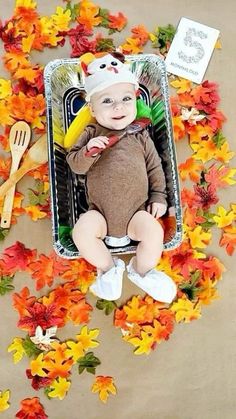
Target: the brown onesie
(122, 179)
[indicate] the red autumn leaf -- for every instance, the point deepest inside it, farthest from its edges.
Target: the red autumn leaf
(17, 257)
(212, 268)
(40, 315)
(22, 301)
(183, 258)
(31, 409)
(205, 196)
(215, 174)
(37, 381)
(117, 22)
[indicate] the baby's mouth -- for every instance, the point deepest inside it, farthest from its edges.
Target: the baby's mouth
(117, 118)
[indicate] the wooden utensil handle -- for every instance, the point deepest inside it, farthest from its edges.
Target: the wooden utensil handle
(7, 208)
(13, 179)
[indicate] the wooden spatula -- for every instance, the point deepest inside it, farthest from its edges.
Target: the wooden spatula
(19, 139)
(36, 156)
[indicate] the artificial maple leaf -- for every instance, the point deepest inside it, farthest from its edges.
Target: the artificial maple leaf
(14, 60)
(4, 400)
(35, 213)
(216, 120)
(5, 113)
(120, 318)
(79, 312)
(131, 46)
(199, 238)
(190, 169)
(223, 217)
(192, 217)
(181, 84)
(205, 196)
(29, 4)
(103, 385)
(185, 310)
(134, 312)
(5, 165)
(144, 344)
(179, 128)
(31, 408)
(75, 350)
(88, 14)
(212, 268)
(117, 22)
(86, 336)
(22, 301)
(219, 176)
(17, 257)
(17, 346)
(88, 362)
(186, 99)
(61, 19)
(5, 88)
(156, 331)
(42, 270)
(38, 366)
(223, 153)
(207, 292)
(29, 74)
(59, 388)
(204, 151)
(164, 265)
(229, 241)
(141, 33)
(37, 381)
(198, 132)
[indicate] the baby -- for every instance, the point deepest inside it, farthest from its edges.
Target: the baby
(125, 186)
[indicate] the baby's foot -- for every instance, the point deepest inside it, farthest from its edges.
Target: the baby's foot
(155, 283)
(108, 285)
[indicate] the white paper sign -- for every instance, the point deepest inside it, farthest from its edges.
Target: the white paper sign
(191, 50)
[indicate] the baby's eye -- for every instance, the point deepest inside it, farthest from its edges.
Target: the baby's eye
(127, 98)
(107, 100)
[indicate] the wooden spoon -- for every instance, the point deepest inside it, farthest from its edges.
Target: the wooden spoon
(36, 156)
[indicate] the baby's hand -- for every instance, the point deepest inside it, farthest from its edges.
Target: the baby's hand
(99, 142)
(156, 209)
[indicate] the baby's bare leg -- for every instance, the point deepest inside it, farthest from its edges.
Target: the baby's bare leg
(88, 233)
(144, 228)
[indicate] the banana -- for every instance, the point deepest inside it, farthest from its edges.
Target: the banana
(82, 119)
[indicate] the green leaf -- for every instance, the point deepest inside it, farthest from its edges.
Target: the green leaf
(30, 348)
(218, 139)
(104, 13)
(38, 196)
(190, 288)
(106, 305)
(88, 362)
(105, 44)
(209, 220)
(6, 284)
(3, 233)
(74, 10)
(46, 391)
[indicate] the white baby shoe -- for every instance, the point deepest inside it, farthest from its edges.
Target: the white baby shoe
(108, 285)
(155, 283)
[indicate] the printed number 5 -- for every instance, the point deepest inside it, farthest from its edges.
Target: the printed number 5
(188, 41)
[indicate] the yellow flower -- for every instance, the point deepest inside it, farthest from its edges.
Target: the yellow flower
(4, 398)
(103, 385)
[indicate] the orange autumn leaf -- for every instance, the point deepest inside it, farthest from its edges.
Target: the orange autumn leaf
(198, 132)
(190, 169)
(141, 33)
(179, 128)
(14, 60)
(204, 150)
(191, 217)
(23, 300)
(28, 74)
(79, 312)
(35, 212)
(41, 173)
(27, 108)
(212, 269)
(31, 405)
(58, 367)
(5, 165)
(88, 14)
(185, 99)
(6, 117)
(229, 241)
(104, 386)
(135, 312)
(26, 19)
(117, 22)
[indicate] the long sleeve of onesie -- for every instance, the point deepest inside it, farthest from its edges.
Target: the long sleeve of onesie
(78, 162)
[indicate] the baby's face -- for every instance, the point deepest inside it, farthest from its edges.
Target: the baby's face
(115, 106)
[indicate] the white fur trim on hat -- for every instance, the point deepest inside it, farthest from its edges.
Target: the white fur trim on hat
(106, 71)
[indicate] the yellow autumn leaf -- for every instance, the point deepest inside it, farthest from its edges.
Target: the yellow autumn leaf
(233, 206)
(132, 45)
(17, 346)
(223, 153)
(152, 37)
(75, 350)
(198, 131)
(61, 19)
(5, 112)
(218, 44)
(203, 151)
(86, 337)
(199, 238)
(144, 345)
(5, 88)
(185, 310)
(37, 366)
(4, 400)
(229, 177)
(182, 85)
(27, 43)
(223, 217)
(164, 265)
(26, 3)
(59, 387)
(208, 292)
(103, 385)
(35, 213)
